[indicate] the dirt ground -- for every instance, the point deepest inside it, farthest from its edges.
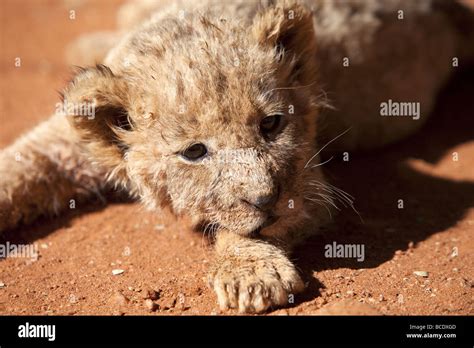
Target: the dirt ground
(164, 263)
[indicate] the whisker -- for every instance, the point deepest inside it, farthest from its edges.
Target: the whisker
(328, 199)
(210, 230)
(340, 195)
(294, 87)
(322, 203)
(320, 164)
(341, 192)
(333, 189)
(343, 196)
(321, 149)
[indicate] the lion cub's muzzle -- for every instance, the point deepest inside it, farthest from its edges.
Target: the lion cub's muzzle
(265, 203)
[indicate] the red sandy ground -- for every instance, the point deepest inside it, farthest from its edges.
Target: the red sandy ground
(79, 250)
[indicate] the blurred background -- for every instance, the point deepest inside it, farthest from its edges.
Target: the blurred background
(38, 32)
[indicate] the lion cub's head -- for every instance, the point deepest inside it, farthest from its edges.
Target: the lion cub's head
(213, 116)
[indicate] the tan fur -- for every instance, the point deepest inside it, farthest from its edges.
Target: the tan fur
(210, 74)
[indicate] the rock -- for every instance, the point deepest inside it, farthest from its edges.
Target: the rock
(2, 285)
(150, 305)
(151, 294)
(198, 291)
(117, 271)
(73, 298)
(168, 303)
(320, 301)
(119, 299)
(421, 273)
(181, 302)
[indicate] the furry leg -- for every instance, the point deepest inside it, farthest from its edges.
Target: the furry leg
(43, 173)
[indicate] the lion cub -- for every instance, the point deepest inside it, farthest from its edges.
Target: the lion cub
(215, 112)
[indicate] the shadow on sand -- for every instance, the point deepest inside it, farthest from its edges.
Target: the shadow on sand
(379, 179)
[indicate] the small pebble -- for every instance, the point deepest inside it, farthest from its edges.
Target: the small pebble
(168, 303)
(152, 306)
(2, 285)
(180, 301)
(152, 295)
(455, 252)
(117, 271)
(120, 299)
(321, 301)
(421, 273)
(73, 298)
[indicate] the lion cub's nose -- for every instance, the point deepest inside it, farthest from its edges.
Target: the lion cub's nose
(264, 202)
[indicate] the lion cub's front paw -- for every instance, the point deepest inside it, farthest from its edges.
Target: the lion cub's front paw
(254, 285)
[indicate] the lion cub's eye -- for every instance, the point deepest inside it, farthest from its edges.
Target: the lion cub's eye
(271, 125)
(195, 152)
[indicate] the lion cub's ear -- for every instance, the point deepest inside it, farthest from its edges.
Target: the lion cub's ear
(288, 27)
(96, 103)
